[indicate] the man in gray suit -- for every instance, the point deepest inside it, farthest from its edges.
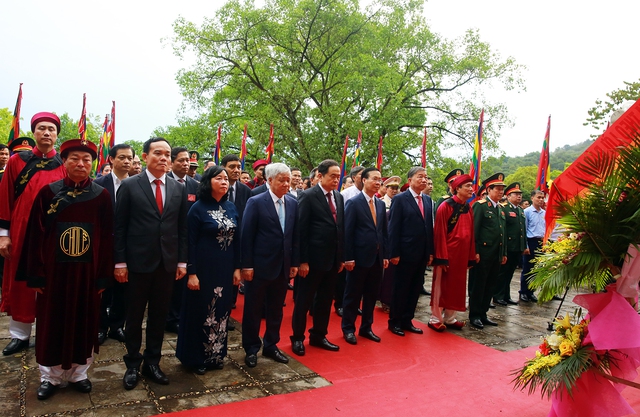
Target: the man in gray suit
(150, 253)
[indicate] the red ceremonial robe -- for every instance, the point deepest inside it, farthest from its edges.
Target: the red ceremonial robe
(18, 300)
(69, 254)
(456, 249)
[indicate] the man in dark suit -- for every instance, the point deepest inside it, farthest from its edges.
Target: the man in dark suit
(411, 241)
(238, 192)
(259, 189)
(150, 253)
(488, 231)
(366, 255)
(179, 172)
(321, 226)
(113, 301)
(270, 257)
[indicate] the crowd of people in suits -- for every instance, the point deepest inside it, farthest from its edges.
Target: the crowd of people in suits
(180, 246)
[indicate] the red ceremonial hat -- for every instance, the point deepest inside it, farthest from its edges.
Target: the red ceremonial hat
(259, 163)
(404, 187)
(44, 117)
(78, 145)
(460, 180)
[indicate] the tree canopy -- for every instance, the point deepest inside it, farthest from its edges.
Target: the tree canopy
(320, 70)
(600, 113)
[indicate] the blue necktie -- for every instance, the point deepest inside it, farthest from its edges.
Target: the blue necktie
(281, 213)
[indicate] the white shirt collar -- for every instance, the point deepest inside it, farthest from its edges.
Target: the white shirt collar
(163, 178)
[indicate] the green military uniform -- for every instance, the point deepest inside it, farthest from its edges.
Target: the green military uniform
(516, 233)
(489, 224)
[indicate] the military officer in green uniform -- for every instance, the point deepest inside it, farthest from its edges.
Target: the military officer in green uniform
(489, 233)
(516, 243)
(448, 179)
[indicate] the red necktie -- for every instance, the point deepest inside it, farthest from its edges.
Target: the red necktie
(419, 197)
(332, 207)
(158, 195)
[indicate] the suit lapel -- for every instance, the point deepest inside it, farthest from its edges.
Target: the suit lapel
(362, 200)
(323, 200)
(144, 183)
(271, 209)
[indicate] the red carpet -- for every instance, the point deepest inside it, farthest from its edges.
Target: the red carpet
(435, 374)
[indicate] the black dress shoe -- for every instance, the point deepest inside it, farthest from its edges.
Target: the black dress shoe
(491, 305)
(339, 311)
(276, 355)
(117, 334)
(511, 302)
(290, 287)
(413, 329)
(489, 322)
(200, 371)
(83, 386)
(533, 298)
(46, 390)
(154, 373)
(230, 326)
(241, 289)
(396, 330)
(215, 366)
(524, 297)
(423, 291)
(172, 327)
(15, 346)
(101, 337)
(251, 360)
(477, 323)
(130, 379)
(557, 298)
(351, 338)
(500, 302)
(324, 344)
(359, 311)
(298, 347)
(369, 335)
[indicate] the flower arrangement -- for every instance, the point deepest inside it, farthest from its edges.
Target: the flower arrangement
(561, 358)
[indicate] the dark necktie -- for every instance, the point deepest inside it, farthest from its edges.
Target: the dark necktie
(158, 195)
(181, 181)
(332, 207)
(232, 198)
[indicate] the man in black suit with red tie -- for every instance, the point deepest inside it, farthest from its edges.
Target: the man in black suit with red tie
(150, 253)
(366, 255)
(321, 226)
(411, 241)
(112, 323)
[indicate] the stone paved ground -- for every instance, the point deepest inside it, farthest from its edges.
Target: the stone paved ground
(520, 327)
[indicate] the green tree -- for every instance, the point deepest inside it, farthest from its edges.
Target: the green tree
(599, 114)
(6, 118)
(526, 176)
(321, 69)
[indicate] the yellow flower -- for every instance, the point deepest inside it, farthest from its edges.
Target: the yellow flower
(566, 348)
(565, 323)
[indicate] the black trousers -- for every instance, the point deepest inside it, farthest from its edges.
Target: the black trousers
(534, 244)
(363, 283)
(113, 299)
(503, 284)
(260, 296)
(320, 284)
(173, 317)
(341, 285)
(484, 286)
(155, 290)
(408, 280)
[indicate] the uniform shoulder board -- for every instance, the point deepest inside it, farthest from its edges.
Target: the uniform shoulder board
(445, 196)
(503, 204)
(482, 201)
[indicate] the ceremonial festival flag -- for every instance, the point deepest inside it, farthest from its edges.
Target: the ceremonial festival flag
(243, 147)
(476, 160)
(82, 123)
(343, 164)
(217, 152)
(568, 184)
(542, 179)
(379, 160)
(112, 126)
(423, 151)
(269, 150)
(14, 132)
(356, 154)
(103, 148)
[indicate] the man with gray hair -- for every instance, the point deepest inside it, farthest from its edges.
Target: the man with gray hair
(356, 175)
(270, 258)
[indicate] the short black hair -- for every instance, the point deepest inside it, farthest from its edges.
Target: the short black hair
(366, 171)
(147, 144)
(114, 151)
(204, 188)
(229, 158)
(355, 170)
(3, 146)
(323, 167)
(295, 169)
(244, 172)
(175, 151)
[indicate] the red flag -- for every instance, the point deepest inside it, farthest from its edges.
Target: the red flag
(379, 160)
(243, 148)
(14, 132)
(542, 179)
(343, 164)
(103, 149)
(424, 149)
(112, 126)
(217, 151)
(269, 150)
(82, 123)
(568, 184)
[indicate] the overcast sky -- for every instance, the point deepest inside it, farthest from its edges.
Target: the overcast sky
(575, 52)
